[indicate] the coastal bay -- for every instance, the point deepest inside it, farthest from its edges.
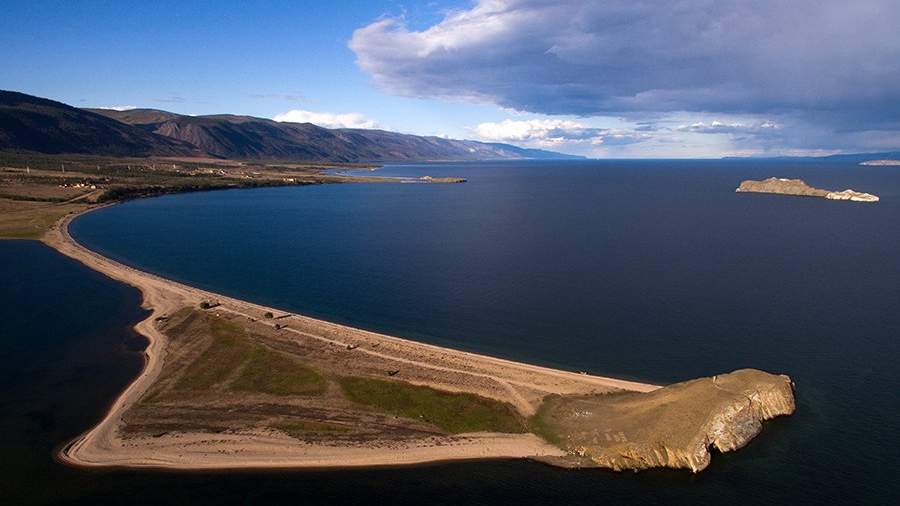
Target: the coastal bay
(788, 461)
(450, 253)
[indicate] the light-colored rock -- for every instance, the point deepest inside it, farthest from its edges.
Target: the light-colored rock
(674, 426)
(853, 195)
(781, 186)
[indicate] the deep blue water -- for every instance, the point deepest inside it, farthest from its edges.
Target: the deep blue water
(649, 270)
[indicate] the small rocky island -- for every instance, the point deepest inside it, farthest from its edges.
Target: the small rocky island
(430, 179)
(799, 187)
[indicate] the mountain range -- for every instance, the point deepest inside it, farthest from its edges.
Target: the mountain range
(29, 123)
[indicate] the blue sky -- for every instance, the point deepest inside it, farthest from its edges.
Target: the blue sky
(608, 79)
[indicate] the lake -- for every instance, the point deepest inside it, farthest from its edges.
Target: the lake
(650, 270)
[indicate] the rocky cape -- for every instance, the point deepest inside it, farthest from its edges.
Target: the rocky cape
(798, 187)
(674, 426)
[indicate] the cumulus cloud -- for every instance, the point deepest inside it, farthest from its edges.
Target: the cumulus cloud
(553, 132)
(327, 119)
(588, 57)
(818, 61)
(118, 107)
(526, 130)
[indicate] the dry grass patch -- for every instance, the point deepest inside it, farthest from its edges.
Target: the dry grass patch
(30, 220)
(271, 372)
(228, 350)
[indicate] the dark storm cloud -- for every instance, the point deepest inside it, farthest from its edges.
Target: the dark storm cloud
(817, 60)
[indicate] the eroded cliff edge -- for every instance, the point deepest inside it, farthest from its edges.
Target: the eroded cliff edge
(674, 426)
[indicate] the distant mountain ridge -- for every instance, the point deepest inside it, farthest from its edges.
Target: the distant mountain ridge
(29, 123)
(231, 136)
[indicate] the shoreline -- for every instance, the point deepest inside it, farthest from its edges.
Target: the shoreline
(100, 446)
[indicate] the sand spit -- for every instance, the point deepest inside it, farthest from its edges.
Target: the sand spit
(522, 385)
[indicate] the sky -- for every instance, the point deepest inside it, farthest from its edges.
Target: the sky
(600, 78)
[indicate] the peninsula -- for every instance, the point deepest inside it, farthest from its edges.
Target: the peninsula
(231, 384)
(798, 187)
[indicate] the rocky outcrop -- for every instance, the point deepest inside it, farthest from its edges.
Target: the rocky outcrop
(781, 186)
(853, 195)
(430, 179)
(799, 187)
(674, 426)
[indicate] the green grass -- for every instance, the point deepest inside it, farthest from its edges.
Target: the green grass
(306, 426)
(540, 423)
(453, 412)
(273, 373)
(227, 352)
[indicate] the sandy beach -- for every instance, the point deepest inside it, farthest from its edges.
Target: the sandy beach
(522, 385)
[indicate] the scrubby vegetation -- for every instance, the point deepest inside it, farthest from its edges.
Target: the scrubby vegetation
(227, 373)
(261, 370)
(453, 412)
(273, 373)
(302, 427)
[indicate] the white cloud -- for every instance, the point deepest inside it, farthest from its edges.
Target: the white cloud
(327, 119)
(825, 69)
(586, 57)
(525, 130)
(555, 132)
(118, 107)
